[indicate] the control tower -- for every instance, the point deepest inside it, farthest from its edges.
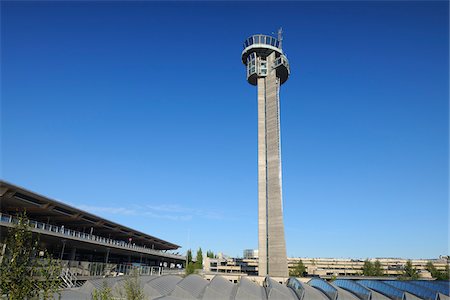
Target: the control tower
(268, 69)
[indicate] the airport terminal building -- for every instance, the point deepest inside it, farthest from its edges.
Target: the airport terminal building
(82, 239)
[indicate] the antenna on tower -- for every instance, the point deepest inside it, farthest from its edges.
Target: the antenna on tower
(280, 36)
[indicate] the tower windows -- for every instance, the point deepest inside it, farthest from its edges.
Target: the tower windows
(263, 68)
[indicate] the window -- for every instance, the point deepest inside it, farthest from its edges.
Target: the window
(257, 39)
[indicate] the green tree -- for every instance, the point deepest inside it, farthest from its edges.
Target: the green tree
(432, 269)
(210, 254)
(22, 274)
(132, 287)
(299, 270)
(17, 266)
(446, 273)
(49, 270)
(368, 268)
(409, 272)
(377, 269)
(435, 273)
(189, 256)
(105, 293)
(190, 268)
(199, 262)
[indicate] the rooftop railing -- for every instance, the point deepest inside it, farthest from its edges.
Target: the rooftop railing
(60, 230)
(261, 39)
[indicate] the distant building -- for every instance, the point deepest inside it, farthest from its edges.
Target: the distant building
(323, 267)
(247, 266)
(353, 267)
(250, 253)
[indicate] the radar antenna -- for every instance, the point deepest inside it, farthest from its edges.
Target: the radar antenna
(280, 36)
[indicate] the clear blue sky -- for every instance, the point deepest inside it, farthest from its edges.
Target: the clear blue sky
(140, 112)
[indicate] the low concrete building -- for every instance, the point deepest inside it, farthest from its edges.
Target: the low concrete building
(334, 267)
(323, 267)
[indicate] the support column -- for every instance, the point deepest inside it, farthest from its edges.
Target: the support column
(272, 245)
(107, 255)
(262, 179)
(63, 248)
(73, 252)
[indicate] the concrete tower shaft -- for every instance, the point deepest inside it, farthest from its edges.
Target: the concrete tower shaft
(268, 68)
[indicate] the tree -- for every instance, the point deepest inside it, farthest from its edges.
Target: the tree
(435, 273)
(189, 256)
(199, 262)
(446, 274)
(377, 269)
(49, 271)
(132, 287)
(17, 266)
(22, 274)
(368, 268)
(190, 268)
(210, 254)
(432, 269)
(299, 270)
(105, 293)
(409, 272)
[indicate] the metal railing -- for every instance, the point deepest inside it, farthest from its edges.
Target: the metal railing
(95, 269)
(60, 230)
(98, 269)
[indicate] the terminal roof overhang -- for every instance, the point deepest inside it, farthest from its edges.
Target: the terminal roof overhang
(15, 199)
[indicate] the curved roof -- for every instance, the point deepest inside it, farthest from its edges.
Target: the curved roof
(434, 285)
(325, 287)
(190, 287)
(383, 288)
(248, 290)
(412, 288)
(219, 288)
(174, 287)
(351, 286)
(161, 286)
(345, 295)
(277, 291)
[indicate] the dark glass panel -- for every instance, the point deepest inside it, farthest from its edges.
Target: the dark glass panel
(354, 288)
(325, 287)
(383, 288)
(412, 288)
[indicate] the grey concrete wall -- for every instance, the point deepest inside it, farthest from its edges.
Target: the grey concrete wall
(272, 245)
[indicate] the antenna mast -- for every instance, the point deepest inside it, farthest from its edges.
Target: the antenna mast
(280, 36)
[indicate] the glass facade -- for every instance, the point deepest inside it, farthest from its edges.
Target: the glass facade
(412, 288)
(434, 286)
(443, 282)
(383, 288)
(262, 39)
(325, 287)
(296, 286)
(354, 288)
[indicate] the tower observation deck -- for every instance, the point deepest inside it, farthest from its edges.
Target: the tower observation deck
(268, 69)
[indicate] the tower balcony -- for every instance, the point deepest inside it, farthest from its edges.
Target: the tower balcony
(258, 67)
